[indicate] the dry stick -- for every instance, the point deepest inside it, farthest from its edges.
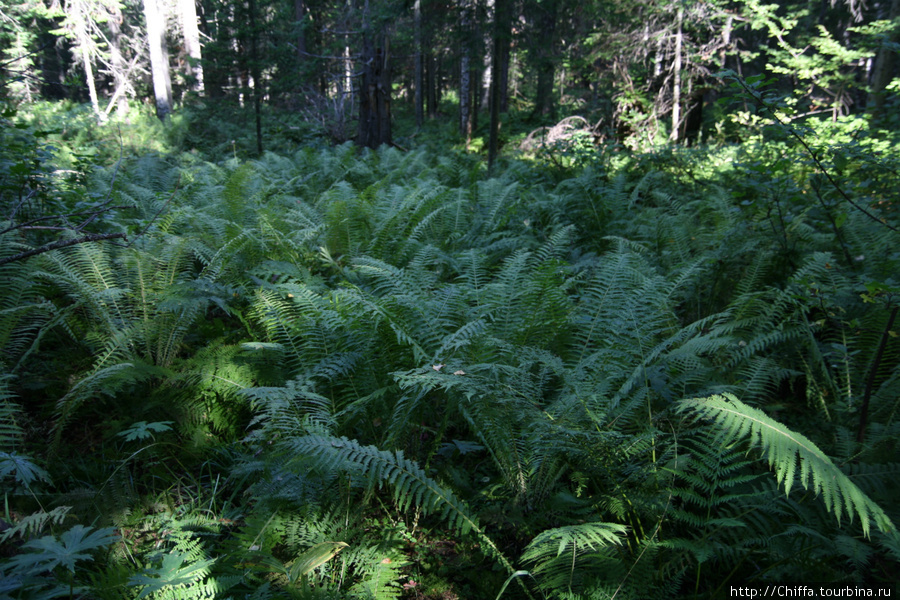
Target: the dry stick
(18, 58)
(834, 226)
(91, 237)
(759, 99)
(90, 216)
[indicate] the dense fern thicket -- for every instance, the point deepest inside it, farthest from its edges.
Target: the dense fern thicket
(344, 374)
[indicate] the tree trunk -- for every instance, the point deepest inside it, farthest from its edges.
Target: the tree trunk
(544, 18)
(883, 72)
(79, 13)
(503, 74)
(159, 58)
(502, 34)
(92, 88)
(375, 95)
(475, 79)
(419, 66)
(188, 12)
(119, 66)
(465, 97)
(465, 73)
(431, 85)
(676, 86)
(211, 27)
(300, 17)
(256, 74)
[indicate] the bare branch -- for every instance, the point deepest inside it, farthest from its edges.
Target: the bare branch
(89, 214)
(91, 237)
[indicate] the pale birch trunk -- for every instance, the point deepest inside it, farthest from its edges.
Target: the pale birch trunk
(465, 76)
(188, 12)
(676, 85)
(120, 68)
(159, 58)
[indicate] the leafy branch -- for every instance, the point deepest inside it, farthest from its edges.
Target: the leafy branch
(750, 90)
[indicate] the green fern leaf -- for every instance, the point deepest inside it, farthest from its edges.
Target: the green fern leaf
(314, 557)
(31, 525)
(783, 448)
(72, 546)
(411, 484)
(21, 468)
(563, 555)
(172, 573)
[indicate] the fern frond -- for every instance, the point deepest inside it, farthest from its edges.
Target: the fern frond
(33, 524)
(559, 553)
(783, 448)
(411, 485)
(10, 415)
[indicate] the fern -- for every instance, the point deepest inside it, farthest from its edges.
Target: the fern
(176, 574)
(74, 545)
(783, 448)
(410, 483)
(561, 554)
(33, 524)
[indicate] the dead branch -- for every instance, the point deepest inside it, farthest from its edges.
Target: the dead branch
(91, 237)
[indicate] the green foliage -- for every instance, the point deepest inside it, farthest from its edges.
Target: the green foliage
(560, 551)
(31, 571)
(173, 575)
(783, 450)
(351, 374)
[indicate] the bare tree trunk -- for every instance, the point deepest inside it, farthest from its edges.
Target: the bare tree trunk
(159, 58)
(431, 85)
(465, 97)
(544, 17)
(119, 67)
(883, 71)
(375, 95)
(475, 79)
(465, 74)
(300, 16)
(79, 14)
(503, 75)
(211, 24)
(89, 75)
(419, 100)
(256, 74)
(188, 11)
(487, 76)
(502, 35)
(676, 86)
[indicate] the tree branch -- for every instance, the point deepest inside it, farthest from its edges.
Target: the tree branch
(91, 237)
(758, 97)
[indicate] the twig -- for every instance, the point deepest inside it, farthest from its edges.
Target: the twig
(18, 58)
(91, 214)
(759, 100)
(91, 237)
(31, 194)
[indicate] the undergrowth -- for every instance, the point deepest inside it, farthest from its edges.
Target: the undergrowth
(339, 374)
